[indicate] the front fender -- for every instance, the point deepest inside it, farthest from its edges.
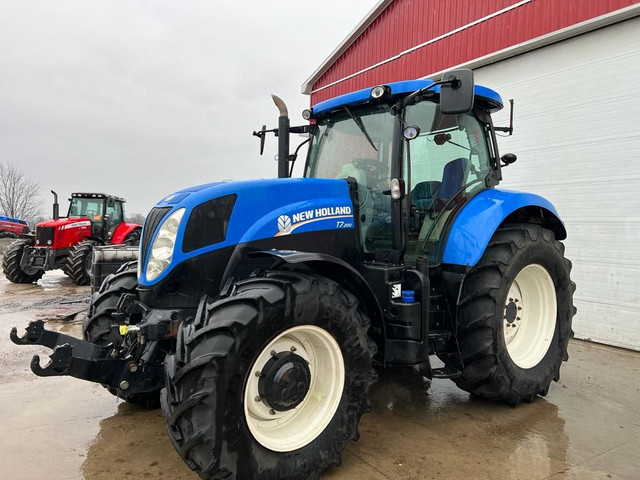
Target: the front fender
(480, 218)
(347, 277)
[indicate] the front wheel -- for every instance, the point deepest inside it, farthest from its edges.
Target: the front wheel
(79, 262)
(270, 382)
(99, 327)
(515, 316)
(12, 267)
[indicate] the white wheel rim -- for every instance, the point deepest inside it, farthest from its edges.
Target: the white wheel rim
(528, 332)
(284, 431)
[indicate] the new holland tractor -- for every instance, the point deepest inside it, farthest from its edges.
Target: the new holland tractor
(67, 242)
(258, 309)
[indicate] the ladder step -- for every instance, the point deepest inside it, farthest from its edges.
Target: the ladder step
(439, 335)
(446, 372)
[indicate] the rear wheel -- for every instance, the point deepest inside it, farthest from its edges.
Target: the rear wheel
(99, 327)
(79, 262)
(270, 382)
(133, 239)
(11, 263)
(515, 316)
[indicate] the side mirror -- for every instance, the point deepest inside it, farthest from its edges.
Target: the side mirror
(110, 202)
(508, 159)
(457, 95)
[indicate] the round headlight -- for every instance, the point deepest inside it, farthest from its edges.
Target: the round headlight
(162, 248)
(378, 92)
(306, 114)
(411, 132)
(172, 225)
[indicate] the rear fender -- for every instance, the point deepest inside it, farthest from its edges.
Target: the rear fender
(122, 230)
(346, 276)
(486, 212)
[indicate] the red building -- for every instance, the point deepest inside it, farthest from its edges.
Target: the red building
(402, 39)
(573, 70)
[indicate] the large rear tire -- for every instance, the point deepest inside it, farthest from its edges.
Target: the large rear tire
(11, 263)
(99, 327)
(515, 313)
(133, 239)
(78, 264)
(226, 420)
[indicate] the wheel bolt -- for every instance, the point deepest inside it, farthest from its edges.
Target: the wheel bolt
(124, 384)
(519, 308)
(517, 318)
(272, 412)
(516, 300)
(258, 398)
(258, 374)
(511, 299)
(273, 353)
(293, 349)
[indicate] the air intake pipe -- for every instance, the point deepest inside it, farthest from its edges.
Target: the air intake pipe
(283, 137)
(56, 207)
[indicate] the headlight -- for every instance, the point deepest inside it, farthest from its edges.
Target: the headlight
(161, 251)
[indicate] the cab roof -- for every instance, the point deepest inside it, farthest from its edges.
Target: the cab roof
(97, 195)
(484, 97)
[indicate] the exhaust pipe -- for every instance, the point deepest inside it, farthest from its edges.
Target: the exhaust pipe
(56, 207)
(283, 138)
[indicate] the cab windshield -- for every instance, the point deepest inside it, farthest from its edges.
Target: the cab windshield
(91, 208)
(445, 164)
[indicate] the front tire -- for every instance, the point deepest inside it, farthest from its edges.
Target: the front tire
(99, 327)
(11, 263)
(515, 316)
(79, 261)
(228, 421)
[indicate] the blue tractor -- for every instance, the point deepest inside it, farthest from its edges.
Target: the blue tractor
(258, 309)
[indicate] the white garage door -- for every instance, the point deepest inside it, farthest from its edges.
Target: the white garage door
(577, 138)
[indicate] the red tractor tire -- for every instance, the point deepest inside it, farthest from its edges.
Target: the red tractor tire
(79, 262)
(11, 263)
(133, 239)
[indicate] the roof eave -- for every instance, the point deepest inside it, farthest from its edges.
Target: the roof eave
(346, 43)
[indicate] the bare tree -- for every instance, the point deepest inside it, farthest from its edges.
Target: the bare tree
(18, 193)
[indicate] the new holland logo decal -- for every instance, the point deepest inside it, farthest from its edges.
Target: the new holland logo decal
(342, 216)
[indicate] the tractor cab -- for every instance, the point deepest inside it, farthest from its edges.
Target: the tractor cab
(438, 159)
(103, 211)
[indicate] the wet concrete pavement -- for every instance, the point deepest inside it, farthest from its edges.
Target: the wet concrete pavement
(588, 427)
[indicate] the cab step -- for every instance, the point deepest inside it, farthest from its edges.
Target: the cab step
(445, 372)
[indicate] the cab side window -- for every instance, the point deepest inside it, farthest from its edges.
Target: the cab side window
(446, 163)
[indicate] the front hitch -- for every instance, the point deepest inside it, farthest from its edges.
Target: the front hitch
(88, 361)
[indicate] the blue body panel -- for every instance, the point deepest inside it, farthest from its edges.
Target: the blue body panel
(476, 223)
(264, 209)
(398, 88)
(12, 220)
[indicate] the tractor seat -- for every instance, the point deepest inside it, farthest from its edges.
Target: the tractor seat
(423, 194)
(453, 178)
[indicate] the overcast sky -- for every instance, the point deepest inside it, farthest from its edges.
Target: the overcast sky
(142, 98)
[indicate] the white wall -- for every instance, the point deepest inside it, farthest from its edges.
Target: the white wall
(577, 137)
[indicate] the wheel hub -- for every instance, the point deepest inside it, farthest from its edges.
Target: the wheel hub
(511, 312)
(284, 381)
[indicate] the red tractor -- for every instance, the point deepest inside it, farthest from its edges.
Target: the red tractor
(11, 227)
(67, 243)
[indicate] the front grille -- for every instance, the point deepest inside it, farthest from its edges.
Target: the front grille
(151, 223)
(44, 236)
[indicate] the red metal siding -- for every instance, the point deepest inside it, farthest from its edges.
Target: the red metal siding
(407, 23)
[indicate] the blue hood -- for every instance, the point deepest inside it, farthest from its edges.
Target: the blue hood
(263, 209)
